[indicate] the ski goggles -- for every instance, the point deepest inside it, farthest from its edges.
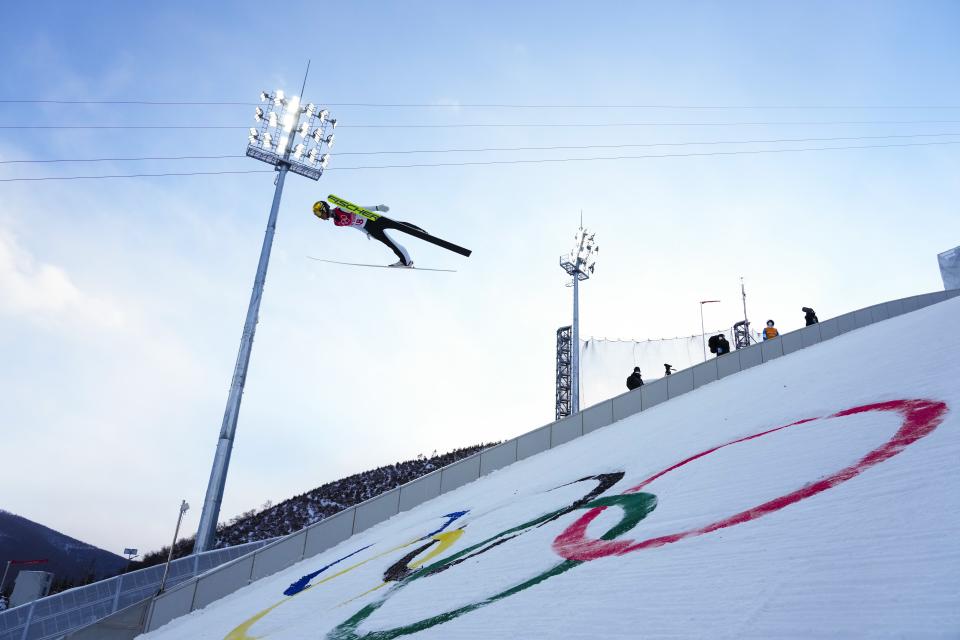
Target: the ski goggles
(321, 209)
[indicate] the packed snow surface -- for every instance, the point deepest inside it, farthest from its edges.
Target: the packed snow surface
(817, 495)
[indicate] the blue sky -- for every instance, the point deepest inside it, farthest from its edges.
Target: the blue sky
(122, 301)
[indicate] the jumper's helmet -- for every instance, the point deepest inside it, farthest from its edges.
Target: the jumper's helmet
(321, 209)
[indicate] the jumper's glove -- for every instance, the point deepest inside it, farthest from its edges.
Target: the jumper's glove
(378, 207)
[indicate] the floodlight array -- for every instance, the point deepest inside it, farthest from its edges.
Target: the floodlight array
(291, 134)
(582, 258)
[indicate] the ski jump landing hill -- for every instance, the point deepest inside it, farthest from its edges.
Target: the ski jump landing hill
(813, 496)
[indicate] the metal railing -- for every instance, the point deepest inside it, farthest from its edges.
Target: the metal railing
(55, 615)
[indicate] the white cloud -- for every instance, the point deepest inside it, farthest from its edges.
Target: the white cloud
(42, 291)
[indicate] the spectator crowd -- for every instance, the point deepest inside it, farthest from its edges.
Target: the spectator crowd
(307, 508)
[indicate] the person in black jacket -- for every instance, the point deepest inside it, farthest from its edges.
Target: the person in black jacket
(634, 380)
(718, 344)
(722, 345)
(669, 369)
(809, 316)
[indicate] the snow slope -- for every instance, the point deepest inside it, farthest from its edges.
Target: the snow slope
(826, 507)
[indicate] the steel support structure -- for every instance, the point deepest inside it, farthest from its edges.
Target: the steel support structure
(741, 330)
(564, 367)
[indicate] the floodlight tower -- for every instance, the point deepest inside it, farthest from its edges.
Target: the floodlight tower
(280, 119)
(578, 264)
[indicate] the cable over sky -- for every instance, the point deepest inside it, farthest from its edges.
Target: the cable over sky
(488, 105)
(494, 125)
(496, 162)
(492, 149)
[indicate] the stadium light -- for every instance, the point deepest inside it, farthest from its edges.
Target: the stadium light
(184, 507)
(278, 119)
(703, 332)
(579, 264)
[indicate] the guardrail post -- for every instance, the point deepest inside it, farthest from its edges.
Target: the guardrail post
(26, 625)
(116, 597)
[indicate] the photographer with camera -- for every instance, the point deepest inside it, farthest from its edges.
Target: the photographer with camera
(718, 344)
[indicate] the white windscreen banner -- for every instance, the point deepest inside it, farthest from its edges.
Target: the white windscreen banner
(605, 364)
(950, 268)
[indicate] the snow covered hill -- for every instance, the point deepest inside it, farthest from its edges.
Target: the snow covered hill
(815, 495)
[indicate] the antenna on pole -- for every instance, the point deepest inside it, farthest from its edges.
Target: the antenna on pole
(741, 330)
(743, 292)
(304, 85)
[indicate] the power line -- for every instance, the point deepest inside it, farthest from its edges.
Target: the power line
(636, 145)
(500, 149)
(495, 105)
(510, 125)
(135, 175)
(636, 106)
(145, 102)
(640, 124)
(120, 126)
(124, 159)
(499, 162)
(664, 155)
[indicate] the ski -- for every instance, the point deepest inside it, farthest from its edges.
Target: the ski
(379, 266)
(403, 228)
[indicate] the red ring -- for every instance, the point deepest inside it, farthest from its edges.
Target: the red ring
(921, 417)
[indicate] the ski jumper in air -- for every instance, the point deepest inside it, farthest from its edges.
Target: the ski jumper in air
(373, 228)
(375, 225)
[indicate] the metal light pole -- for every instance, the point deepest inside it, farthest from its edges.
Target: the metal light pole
(579, 264)
(271, 141)
(166, 569)
(743, 293)
(703, 332)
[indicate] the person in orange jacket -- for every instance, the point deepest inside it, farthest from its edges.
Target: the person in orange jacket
(770, 331)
